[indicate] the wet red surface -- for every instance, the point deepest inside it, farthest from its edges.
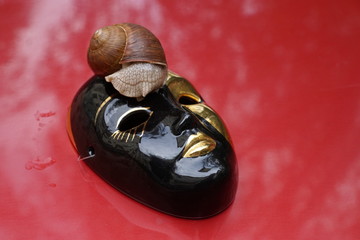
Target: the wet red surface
(284, 76)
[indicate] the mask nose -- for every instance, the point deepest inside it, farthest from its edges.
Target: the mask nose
(184, 122)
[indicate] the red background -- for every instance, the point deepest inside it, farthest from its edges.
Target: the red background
(284, 76)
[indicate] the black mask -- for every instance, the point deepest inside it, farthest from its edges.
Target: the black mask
(169, 151)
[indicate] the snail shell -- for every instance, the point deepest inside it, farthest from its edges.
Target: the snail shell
(130, 57)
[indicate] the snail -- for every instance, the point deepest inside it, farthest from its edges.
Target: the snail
(130, 57)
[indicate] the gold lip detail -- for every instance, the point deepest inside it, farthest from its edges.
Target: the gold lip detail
(198, 144)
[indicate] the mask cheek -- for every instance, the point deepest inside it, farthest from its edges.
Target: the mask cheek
(210, 116)
(162, 145)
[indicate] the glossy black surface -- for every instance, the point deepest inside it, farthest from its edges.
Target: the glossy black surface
(144, 159)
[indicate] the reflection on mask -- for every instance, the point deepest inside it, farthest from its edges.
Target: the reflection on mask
(169, 151)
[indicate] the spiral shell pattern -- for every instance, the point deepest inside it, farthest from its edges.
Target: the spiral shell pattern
(114, 45)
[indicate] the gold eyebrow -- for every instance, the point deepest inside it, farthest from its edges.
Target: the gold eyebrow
(103, 104)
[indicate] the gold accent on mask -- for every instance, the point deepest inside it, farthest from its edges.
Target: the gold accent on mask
(180, 87)
(210, 116)
(198, 145)
(132, 131)
(103, 104)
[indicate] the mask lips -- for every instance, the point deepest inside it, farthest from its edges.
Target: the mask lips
(198, 144)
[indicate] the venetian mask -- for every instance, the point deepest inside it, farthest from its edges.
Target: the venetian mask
(169, 151)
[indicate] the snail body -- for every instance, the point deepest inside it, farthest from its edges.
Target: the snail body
(130, 57)
(138, 79)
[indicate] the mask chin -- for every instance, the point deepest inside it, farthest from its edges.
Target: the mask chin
(158, 151)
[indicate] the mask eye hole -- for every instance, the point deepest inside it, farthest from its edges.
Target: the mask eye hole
(186, 99)
(133, 118)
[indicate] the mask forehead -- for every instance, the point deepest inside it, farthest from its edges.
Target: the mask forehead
(186, 95)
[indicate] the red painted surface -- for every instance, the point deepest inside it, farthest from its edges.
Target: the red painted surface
(284, 76)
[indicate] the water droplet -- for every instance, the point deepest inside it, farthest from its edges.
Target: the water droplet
(39, 164)
(39, 115)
